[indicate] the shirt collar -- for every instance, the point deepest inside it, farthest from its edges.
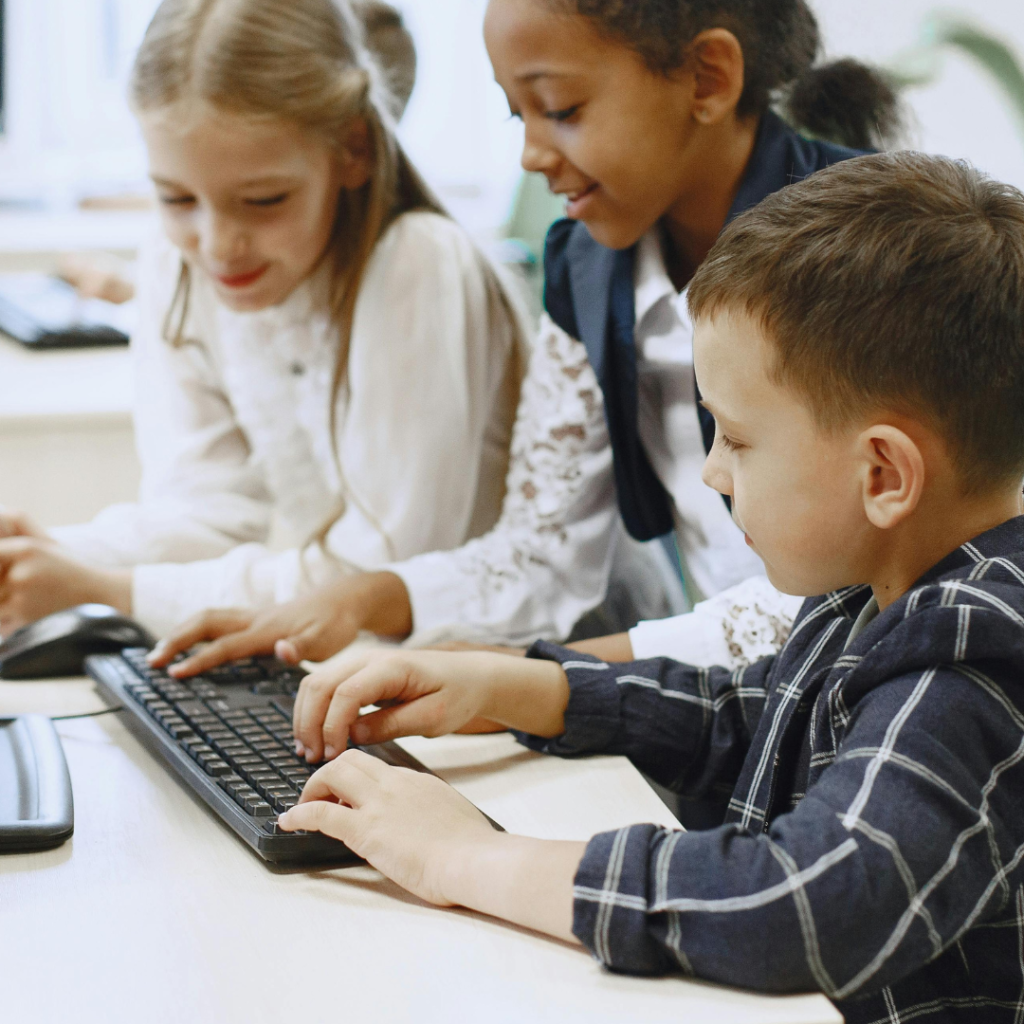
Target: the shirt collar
(1003, 541)
(650, 277)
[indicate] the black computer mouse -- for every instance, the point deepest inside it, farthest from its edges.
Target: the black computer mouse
(59, 644)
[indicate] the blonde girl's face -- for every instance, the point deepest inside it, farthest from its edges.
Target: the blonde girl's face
(251, 204)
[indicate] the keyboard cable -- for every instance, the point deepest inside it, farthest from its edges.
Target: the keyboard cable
(87, 714)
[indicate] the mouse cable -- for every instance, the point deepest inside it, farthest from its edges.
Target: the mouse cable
(87, 714)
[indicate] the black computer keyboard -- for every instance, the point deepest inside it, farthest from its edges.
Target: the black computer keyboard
(227, 735)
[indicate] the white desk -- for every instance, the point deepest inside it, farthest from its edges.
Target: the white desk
(155, 913)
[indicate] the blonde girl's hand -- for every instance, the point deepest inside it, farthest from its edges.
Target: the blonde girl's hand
(413, 828)
(16, 524)
(37, 578)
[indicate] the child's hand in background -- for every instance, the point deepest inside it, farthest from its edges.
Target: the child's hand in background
(412, 827)
(38, 577)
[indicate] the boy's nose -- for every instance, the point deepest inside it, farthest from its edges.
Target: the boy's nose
(715, 475)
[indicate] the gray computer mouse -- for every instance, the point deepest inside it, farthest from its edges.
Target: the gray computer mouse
(59, 644)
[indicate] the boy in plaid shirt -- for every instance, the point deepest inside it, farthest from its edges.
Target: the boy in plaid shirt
(860, 342)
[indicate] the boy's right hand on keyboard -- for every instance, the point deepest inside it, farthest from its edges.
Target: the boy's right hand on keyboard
(426, 693)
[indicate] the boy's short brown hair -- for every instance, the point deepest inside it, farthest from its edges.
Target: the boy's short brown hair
(891, 282)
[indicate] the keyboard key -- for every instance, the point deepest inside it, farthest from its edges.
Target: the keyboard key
(257, 806)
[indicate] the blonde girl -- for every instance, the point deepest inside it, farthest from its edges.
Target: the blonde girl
(322, 351)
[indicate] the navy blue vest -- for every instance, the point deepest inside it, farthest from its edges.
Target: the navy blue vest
(589, 293)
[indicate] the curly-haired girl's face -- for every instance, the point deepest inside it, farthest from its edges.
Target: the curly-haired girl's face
(619, 141)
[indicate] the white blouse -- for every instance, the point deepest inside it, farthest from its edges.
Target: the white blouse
(234, 431)
(548, 559)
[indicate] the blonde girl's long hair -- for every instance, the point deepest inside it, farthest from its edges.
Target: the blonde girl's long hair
(304, 62)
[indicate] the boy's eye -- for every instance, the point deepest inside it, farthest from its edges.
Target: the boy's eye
(268, 201)
(728, 443)
(176, 200)
(562, 115)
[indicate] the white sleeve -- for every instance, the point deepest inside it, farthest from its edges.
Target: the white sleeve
(547, 560)
(200, 495)
(430, 406)
(734, 628)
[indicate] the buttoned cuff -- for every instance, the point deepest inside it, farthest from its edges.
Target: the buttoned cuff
(593, 713)
(610, 901)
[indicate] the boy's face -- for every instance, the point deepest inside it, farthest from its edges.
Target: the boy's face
(796, 491)
(617, 140)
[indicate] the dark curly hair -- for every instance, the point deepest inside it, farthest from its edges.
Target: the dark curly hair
(845, 102)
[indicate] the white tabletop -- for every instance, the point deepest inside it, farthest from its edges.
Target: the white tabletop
(63, 386)
(155, 913)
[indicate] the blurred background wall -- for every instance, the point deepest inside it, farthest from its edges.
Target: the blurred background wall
(68, 133)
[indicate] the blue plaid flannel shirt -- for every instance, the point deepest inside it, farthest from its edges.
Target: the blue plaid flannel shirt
(873, 842)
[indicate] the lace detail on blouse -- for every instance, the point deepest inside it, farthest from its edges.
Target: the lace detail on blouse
(749, 621)
(546, 561)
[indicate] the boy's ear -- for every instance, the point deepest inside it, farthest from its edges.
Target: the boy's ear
(893, 475)
(355, 159)
(716, 62)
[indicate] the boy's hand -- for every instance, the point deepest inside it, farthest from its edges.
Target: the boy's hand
(421, 834)
(431, 693)
(412, 827)
(37, 578)
(428, 693)
(312, 628)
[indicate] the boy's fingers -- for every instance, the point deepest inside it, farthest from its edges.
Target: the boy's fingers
(320, 816)
(383, 680)
(315, 695)
(347, 779)
(417, 718)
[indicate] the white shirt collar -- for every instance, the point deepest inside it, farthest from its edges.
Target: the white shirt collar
(650, 278)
